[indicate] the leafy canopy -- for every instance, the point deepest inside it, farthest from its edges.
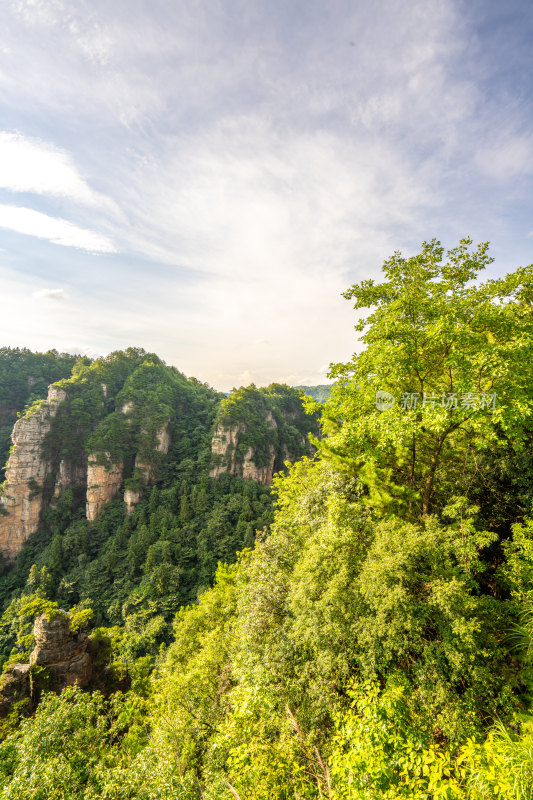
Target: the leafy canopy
(455, 354)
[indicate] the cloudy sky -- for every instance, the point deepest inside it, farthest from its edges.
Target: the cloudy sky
(203, 179)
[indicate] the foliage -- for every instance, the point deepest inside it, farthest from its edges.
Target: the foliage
(379, 751)
(17, 622)
(501, 767)
(333, 593)
(192, 692)
(319, 393)
(440, 338)
(374, 640)
(138, 571)
(79, 619)
(63, 752)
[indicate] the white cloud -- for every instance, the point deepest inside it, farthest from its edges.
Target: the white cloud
(50, 294)
(56, 230)
(38, 12)
(30, 165)
(261, 165)
(247, 202)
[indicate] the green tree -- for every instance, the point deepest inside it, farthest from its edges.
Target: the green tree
(455, 354)
(68, 748)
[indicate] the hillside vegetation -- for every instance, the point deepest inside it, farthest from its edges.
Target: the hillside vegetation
(135, 571)
(375, 642)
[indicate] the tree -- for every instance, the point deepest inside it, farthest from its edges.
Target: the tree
(452, 360)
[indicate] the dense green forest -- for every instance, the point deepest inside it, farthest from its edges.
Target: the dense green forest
(375, 640)
(135, 571)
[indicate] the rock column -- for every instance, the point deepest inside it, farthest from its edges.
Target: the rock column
(21, 500)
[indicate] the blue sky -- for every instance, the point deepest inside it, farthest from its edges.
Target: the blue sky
(203, 179)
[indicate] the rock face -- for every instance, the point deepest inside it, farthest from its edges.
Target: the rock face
(224, 451)
(15, 686)
(132, 498)
(22, 498)
(69, 475)
(63, 653)
(146, 471)
(162, 445)
(223, 446)
(262, 474)
(103, 484)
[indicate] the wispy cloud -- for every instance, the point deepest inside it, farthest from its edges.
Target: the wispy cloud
(249, 161)
(56, 230)
(510, 156)
(50, 294)
(38, 12)
(30, 165)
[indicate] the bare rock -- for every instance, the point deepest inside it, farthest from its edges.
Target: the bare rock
(103, 484)
(62, 652)
(146, 471)
(21, 501)
(15, 685)
(59, 659)
(224, 446)
(132, 498)
(69, 475)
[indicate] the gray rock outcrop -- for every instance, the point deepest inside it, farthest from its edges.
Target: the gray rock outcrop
(62, 652)
(103, 484)
(21, 501)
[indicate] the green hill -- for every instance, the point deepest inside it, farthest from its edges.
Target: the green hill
(374, 642)
(136, 567)
(319, 393)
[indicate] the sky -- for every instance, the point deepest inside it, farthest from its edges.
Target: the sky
(205, 178)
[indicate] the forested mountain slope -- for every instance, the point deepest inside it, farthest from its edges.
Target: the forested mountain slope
(376, 643)
(116, 499)
(319, 393)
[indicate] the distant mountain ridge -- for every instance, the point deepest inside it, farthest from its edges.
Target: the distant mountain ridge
(320, 393)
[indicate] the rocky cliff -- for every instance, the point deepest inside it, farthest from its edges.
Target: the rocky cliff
(258, 430)
(21, 500)
(62, 652)
(29, 469)
(229, 456)
(223, 448)
(252, 472)
(68, 475)
(145, 470)
(103, 483)
(59, 659)
(105, 432)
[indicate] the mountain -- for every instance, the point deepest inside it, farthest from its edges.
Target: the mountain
(372, 640)
(129, 482)
(319, 393)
